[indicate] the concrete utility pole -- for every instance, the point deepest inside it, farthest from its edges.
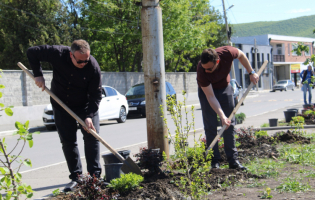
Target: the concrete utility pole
(154, 73)
(256, 68)
(228, 36)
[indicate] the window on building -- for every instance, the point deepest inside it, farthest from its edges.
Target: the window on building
(309, 51)
(268, 57)
(279, 49)
(262, 57)
(247, 55)
(294, 46)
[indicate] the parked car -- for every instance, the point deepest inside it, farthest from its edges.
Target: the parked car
(238, 91)
(136, 97)
(283, 85)
(113, 106)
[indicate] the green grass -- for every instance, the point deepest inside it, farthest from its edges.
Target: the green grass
(293, 185)
(224, 166)
(283, 123)
(265, 167)
(311, 175)
(309, 135)
(298, 154)
(265, 125)
(256, 184)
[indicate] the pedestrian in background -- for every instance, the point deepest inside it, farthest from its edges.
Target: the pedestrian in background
(77, 83)
(306, 81)
(216, 98)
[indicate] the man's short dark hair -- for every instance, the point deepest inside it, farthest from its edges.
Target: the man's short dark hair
(209, 55)
(80, 45)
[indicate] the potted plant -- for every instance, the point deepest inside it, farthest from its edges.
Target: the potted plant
(239, 118)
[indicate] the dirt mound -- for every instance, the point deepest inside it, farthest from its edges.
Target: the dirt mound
(162, 186)
(289, 138)
(155, 187)
(263, 147)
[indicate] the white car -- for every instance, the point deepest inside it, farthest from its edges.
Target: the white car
(112, 106)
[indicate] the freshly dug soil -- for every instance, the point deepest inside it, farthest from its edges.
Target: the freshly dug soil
(264, 147)
(162, 186)
(309, 121)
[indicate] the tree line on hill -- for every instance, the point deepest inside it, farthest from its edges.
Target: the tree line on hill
(300, 26)
(113, 29)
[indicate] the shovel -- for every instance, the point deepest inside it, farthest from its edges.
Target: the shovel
(128, 164)
(215, 140)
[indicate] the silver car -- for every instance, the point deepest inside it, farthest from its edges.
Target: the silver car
(284, 85)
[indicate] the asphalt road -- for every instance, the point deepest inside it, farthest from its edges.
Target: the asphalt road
(47, 148)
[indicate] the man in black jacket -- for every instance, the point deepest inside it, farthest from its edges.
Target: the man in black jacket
(77, 83)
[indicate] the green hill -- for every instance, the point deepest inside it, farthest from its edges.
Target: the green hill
(301, 26)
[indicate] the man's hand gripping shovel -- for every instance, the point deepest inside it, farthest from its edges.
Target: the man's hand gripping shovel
(128, 164)
(236, 108)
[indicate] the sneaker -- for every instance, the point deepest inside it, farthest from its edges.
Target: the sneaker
(237, 165)
(215, 165)
(70, 186)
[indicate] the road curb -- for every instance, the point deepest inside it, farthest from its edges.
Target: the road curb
(31, 130)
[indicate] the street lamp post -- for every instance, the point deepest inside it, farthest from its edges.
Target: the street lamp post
(228, 33)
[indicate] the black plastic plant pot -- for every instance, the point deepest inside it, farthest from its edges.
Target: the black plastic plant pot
(307, 106)
(293, 109)
(111, 158)
(288, 115)
(113, 171)
(273, 122)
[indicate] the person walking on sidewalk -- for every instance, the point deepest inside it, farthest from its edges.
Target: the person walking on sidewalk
(306, 81)
(216, 98)
(77, 83)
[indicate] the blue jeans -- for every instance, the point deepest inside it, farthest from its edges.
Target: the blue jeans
(309, 88)
(210, 122)
(67, 130)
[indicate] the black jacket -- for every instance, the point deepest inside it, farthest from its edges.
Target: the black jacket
(79, 89)
(305, 73)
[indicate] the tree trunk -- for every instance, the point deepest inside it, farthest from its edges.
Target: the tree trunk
(117, 57)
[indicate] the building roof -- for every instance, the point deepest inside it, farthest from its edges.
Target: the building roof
(264, 39)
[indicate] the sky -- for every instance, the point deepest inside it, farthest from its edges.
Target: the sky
(245, 11)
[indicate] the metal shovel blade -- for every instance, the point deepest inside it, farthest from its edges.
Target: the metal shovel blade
(130, 166)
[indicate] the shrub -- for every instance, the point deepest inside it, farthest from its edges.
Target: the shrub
(259, 134)
(11, 181)
(90, 188)
(126, 183)
(298, 122)
(192, 161)
(149, 159)
(240, 117)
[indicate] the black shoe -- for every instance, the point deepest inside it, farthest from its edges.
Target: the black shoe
(70, 186)
(215, 165)
(237, 165)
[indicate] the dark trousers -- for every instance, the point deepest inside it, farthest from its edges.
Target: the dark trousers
(226, 100)
(67, 130)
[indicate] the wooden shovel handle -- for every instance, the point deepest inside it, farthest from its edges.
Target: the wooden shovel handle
(236, 108)
(74, 115)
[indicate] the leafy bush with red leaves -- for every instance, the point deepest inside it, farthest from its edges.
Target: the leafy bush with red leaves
(150, 159)
(90, 188)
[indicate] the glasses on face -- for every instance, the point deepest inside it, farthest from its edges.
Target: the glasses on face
(210, 69)
(80, 61)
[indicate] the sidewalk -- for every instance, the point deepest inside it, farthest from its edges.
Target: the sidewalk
(46, 179)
